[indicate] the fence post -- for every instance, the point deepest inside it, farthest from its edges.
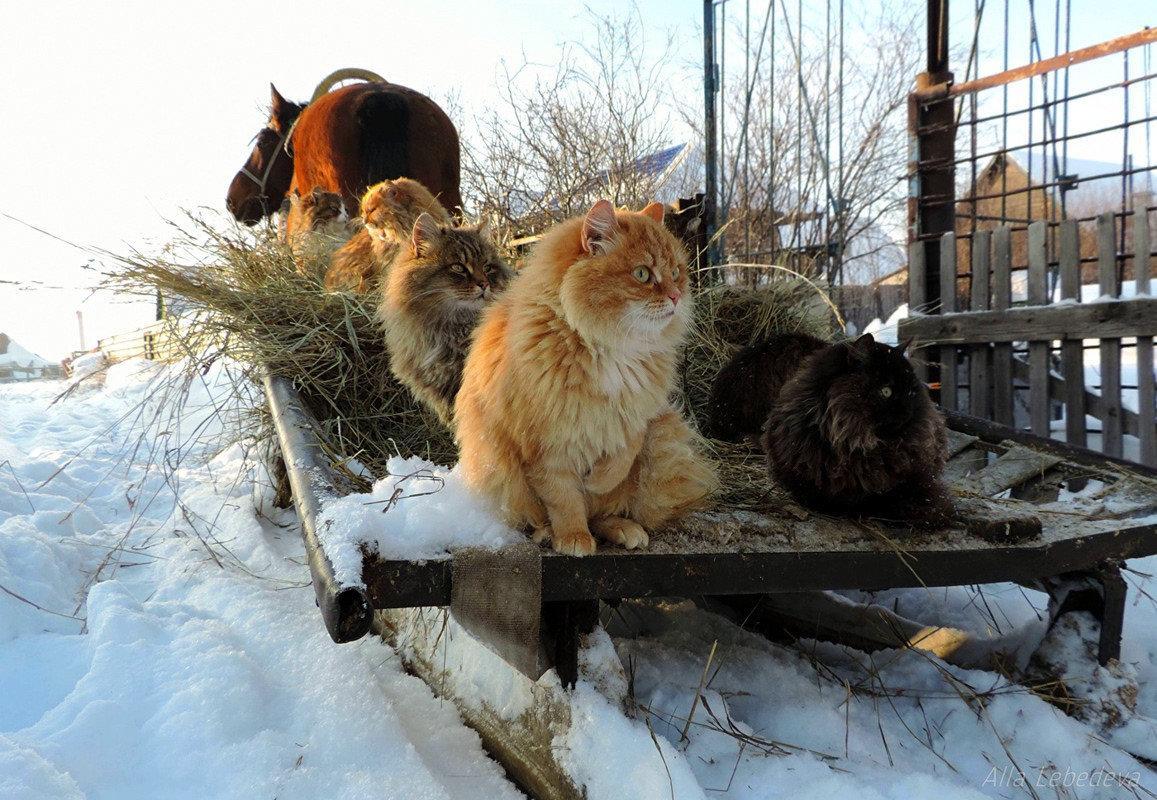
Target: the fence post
(1146, 428)
(1002, 390)
(979, 375)
(1038, 352)
(917, 297)
(1110, 348)
(1072, 350)
(948, 388)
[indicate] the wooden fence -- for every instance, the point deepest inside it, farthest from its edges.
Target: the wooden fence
(1020, 358)
(157, 341)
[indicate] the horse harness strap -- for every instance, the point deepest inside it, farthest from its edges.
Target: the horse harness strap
(282, 143)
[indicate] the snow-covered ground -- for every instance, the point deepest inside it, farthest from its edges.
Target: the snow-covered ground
(158, 639)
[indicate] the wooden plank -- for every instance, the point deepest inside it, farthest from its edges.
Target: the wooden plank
(952, 560)
(1072, 351)
(918, 298)
(1146, 399)
(1116, 318)
(1111, 433)
(979, 372)
(521, 744)
(1058, 388)
(1002, 390)
(1015, 466)
(831, 617)
(948, 382)
(1038, 352)
(958, 442)
(990, 432)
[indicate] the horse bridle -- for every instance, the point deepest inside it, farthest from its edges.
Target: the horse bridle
(282, 144)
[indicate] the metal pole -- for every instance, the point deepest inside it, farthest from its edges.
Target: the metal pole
(710, 149)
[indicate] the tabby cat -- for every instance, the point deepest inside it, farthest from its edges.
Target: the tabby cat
(435, 289)
(853, 429)
(388, 212)
(315, 225)
(563, 419)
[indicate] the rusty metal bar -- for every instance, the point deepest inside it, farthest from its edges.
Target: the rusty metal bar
(344, 609)
(1121, 43)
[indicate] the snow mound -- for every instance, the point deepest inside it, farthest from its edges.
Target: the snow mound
(419, 511)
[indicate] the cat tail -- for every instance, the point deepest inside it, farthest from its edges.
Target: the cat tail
(674, 477)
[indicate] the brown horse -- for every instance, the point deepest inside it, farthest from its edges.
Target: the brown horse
(345, 141)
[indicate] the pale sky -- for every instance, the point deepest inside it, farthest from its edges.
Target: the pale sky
(118, 115)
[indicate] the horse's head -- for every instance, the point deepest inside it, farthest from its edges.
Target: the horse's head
(262, 183)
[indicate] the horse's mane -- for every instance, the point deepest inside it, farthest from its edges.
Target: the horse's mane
(345, 74)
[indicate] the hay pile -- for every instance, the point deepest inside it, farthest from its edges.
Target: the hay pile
(241, 295)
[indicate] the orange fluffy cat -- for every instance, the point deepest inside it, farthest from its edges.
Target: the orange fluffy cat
(388, 212)
(563, 418)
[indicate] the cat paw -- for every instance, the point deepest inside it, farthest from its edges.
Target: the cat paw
(626, 533)
(577, 543)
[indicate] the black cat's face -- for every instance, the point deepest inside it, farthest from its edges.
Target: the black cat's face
(867, 393)
(893, 394)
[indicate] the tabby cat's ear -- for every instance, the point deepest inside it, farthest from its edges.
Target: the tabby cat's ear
(655, 211)
(426, 229)
(599, 228)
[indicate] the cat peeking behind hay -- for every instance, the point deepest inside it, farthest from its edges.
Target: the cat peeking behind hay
(434, 291)
(315, 225)
(388, 212)
(563, 419)
(849, 427)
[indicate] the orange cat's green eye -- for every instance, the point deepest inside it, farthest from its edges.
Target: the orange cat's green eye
(642, 274)
(675, 274)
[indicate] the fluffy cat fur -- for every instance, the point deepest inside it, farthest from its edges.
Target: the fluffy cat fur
(745, 388)
(853, 429)
(563, 420)
(315, 225)
(435, 289)
(388, 212)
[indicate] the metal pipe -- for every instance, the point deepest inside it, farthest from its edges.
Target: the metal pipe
(936, 92)
(710, 156)
(345, 610)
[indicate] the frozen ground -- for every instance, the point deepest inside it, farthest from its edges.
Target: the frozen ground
(158, 640)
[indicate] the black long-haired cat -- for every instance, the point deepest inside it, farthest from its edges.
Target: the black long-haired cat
(853, 429)
(745, 388)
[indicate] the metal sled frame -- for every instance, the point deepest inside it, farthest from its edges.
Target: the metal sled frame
(530, 605)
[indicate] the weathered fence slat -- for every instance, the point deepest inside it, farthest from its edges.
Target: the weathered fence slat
(1110, 348)
(1038, 351)
(1136, 316)
(979, 374)
(1147, 429)
(1002, 390)
(948, 387)
(1072, 351)
(917, 302)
